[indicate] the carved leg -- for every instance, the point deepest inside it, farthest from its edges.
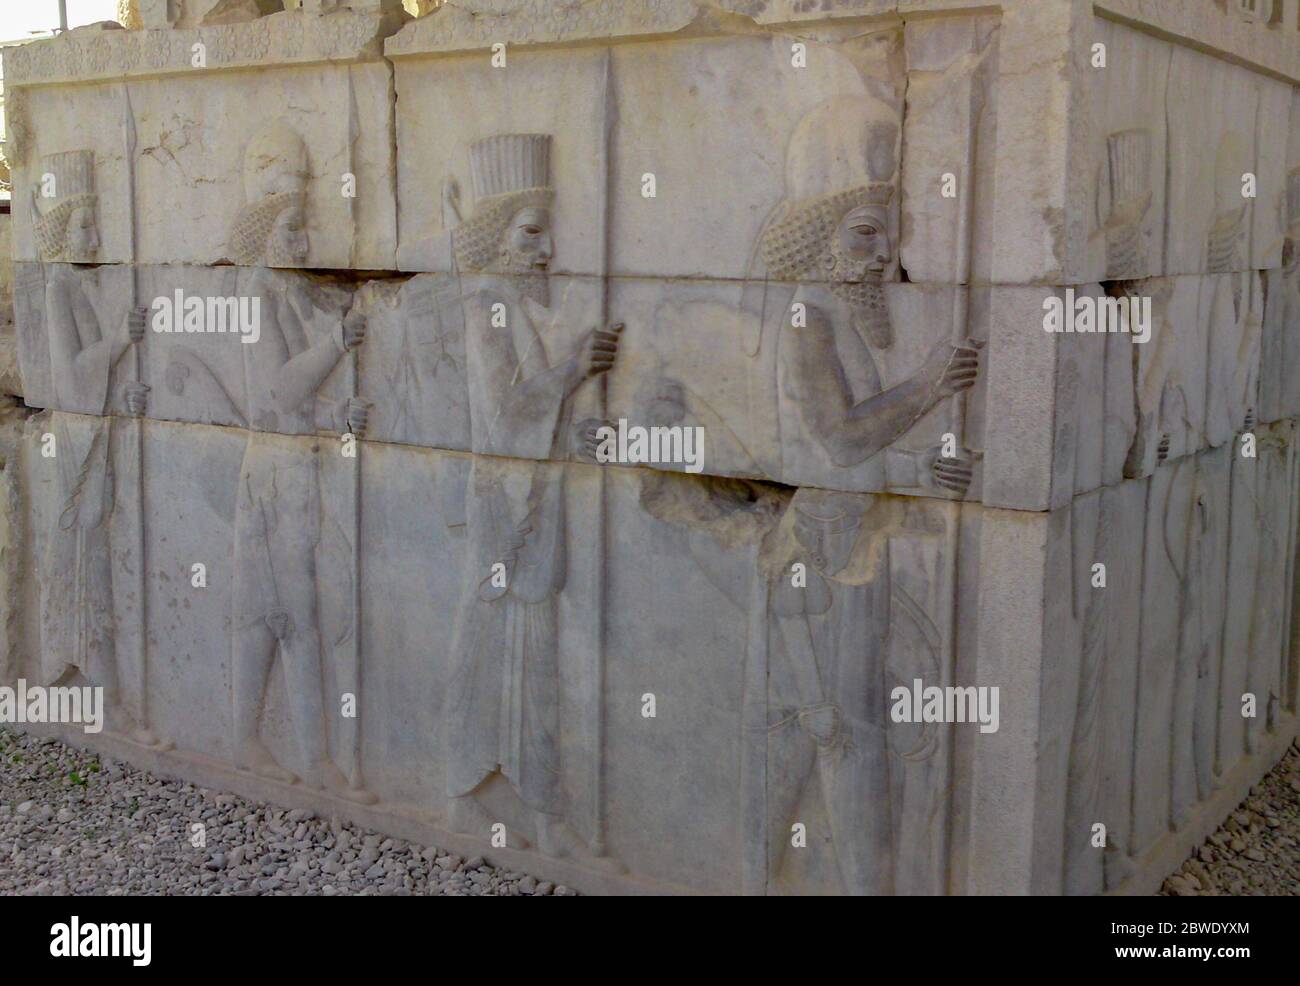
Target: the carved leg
(254, 651)
(556, 838)
(466, 816)
(337, 783)
(1183, 760)
(1203, 728)
(302, 672)
(302, 676)
(855, 782)
(790, 766)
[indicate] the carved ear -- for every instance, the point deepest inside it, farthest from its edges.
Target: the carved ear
(451, 203)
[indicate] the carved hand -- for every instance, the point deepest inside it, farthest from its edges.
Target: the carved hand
(597, 350)
(587, 440)
(280, 623)
(135, 323)
(822, 723)
(354, 329)
(356, 413)
(951, 369)
(952, 474)
(137, 399)
(668, 405)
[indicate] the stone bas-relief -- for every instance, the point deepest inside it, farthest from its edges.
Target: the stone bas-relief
(793, 676)
(277, 523)
(78, 564)
(502, 711)
(1159, 722)
(370, 422)
(823, 659)
(188, 161)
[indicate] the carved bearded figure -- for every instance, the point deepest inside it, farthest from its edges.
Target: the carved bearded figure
(827, 705)
(828, 250)
(502, 711)
(821, 597)
(77, 612)
(278, 510)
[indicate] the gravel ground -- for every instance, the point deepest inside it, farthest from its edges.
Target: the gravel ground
(1256, 852)
(73, 823)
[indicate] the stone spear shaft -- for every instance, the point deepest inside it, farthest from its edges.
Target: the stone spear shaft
(129, 146)
(610, 116)
(354, 384)
(962, 279)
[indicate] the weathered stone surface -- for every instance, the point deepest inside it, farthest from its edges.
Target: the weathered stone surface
(313, 486)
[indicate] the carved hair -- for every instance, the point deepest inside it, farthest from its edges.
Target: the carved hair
(73, 175)
(477, 241)
(275, 179)
(252, 231)
(796, 243)
(52, 228)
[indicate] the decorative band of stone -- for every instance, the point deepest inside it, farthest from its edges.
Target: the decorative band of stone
(457, 27)
(1270, 48)
(95, 53)
(463, 25)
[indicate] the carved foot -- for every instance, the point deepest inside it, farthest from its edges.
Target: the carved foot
(467, 817)
(555, 838)
(147, 737)
(1177, 818)
(326, 775)
(1116, 867)
(136, 731)
(257, 759)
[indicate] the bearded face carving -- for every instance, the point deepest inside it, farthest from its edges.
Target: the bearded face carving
(836, 223)
(510, 231)
(64, 206)
(272, 228)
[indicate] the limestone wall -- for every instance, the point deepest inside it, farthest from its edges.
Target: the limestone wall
(831, 239)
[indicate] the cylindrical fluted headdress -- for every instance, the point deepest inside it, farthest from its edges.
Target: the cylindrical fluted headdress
(1128, 156)
(1228, 229)
(509, 172)
(70, 185)
(510, 163)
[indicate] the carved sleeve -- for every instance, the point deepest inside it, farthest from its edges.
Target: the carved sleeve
(850, 433)
(297, 380)
(516, 397)
(80, 373)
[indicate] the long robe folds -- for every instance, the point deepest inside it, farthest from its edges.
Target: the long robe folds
(503, 701)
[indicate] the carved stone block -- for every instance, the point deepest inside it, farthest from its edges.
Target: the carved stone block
(951, 353)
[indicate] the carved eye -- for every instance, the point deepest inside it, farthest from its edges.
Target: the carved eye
(532, 230)
(865, 229)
